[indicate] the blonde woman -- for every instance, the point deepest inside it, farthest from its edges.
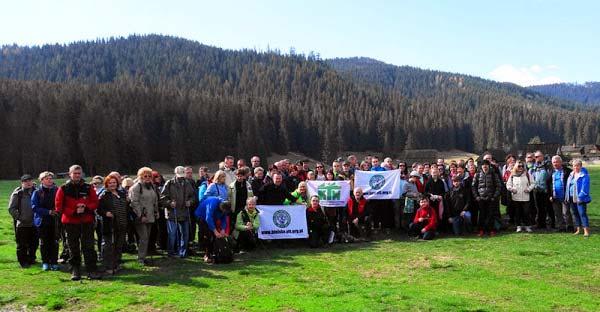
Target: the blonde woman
(144, 202)
(578, 196)
(218, 188)
(519, 185)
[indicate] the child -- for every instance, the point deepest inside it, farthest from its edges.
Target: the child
(425, 221)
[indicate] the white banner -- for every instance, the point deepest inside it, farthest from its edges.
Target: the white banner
(331, 193)
(378, 184)
(282, 222)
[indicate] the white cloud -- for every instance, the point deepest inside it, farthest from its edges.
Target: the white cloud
(525, 76)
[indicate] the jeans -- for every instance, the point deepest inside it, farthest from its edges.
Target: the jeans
(562, 214)
(178, 237)
(415, 230)
(580, 217)
(460, 224)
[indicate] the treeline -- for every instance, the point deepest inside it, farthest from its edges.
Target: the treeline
(121, 103)
(587, 93)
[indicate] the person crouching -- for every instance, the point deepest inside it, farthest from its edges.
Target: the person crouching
(425, 221)
(318, 226)
(246, 226)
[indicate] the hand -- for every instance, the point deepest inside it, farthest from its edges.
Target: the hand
(218, 234)
(421, 219)
(188, 203)
(52, 213)
(80, 208)
(173, 204)
(477, 198)
(248, 227)
(514, 191)
(223, 234)
(109, 214)
(551, 199)
(526, 191)
(144, 219)
(450, 220)
(355, 221)
(423, 230)
(462, 214)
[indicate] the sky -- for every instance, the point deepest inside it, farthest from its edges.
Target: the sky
(524, 42)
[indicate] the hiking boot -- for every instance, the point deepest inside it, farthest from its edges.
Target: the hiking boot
(94, 275)
(528, 229)
(76, 273)
(54, 267)
(45, 267)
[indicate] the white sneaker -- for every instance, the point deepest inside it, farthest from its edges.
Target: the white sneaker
(519, 229)
(331, 237)
(528, 229)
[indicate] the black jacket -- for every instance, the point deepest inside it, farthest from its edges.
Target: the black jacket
(271, 194)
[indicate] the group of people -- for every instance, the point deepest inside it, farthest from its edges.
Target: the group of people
(184, 216)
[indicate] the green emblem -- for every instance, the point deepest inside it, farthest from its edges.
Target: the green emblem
(329, 191)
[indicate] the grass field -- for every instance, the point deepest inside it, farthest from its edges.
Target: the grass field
(511, 272)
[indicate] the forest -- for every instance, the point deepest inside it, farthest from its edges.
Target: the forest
(120, 103)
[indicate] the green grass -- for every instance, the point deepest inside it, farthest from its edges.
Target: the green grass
(539, 272)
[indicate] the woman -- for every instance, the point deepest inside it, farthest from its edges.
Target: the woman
(519, 186)
(246, 226)
(578, 195)
(144, 201)
(506, 198)
(318, 228)
(310, 176)
(218, 188)
(112, 208)
(365, 166)
(334, 214)
(320, 172)
(358, 215)
(301, 194)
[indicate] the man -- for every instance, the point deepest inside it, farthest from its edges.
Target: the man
(458, 214)
(375, 166)
(337, 171)
(353, 161)
(77, 201)
(229, 170)
(19, 208)
(241, 163)
(239, 191)
(189, 175)
(177, 197)
(529, 161)
(562, 213)
(45, 218)
(275, 193)
(255, 162)
(541, 193)
(486, 192)
(257, 181)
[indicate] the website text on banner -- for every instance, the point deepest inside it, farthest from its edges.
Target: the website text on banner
(378, 184)
(331, 193)
(282, 222)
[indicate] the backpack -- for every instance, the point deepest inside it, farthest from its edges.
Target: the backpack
(223, 250)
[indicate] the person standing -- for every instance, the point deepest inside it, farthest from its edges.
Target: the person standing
(177, 197)
(578, 194)
(486, 191)
(560, 205)
(541, 197)
(144, 202)
(19, 208)
(239, 192)
(519, 184)
(45, 218)
(76, 201)
(112, 207)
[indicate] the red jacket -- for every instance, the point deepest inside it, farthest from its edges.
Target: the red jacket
(430, 215)
(356, 212)
(420, 186)
(69, 196)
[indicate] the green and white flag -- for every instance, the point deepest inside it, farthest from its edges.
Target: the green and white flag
(331, 193)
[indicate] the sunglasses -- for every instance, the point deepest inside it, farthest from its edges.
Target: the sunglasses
(319, 166)
(520, 166)
(147, 176)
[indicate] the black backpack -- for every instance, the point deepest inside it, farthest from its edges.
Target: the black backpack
(223, 250)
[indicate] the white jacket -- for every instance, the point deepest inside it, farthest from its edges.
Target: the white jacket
(520, 184)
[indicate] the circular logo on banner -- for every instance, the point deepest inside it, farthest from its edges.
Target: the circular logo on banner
(377, 181)
(282, 218)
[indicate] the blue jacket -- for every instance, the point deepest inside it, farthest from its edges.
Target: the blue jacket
(42, 201)
(582, 186)
(378, 168)
(559, 183)
(219, 190)
(202, 190)
(209, 201)
(213, 213)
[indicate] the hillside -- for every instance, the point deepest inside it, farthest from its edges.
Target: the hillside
(586, 94)
(120, 103)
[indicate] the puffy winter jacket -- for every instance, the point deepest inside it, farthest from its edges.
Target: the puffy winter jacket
(486, 185)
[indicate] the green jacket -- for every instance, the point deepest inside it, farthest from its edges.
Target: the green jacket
(240, 225)
(299, 200)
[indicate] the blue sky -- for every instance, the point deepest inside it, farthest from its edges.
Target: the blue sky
(526, 42)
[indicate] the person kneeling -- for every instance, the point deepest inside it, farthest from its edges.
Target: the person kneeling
(246, 226)
(318, 227)
(425, 221)
(459, 200)
(358, 216)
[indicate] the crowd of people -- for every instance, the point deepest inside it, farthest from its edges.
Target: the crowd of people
(183, 216)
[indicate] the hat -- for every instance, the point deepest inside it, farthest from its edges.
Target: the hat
(26, 177)
(180, 172)
(415, 174)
